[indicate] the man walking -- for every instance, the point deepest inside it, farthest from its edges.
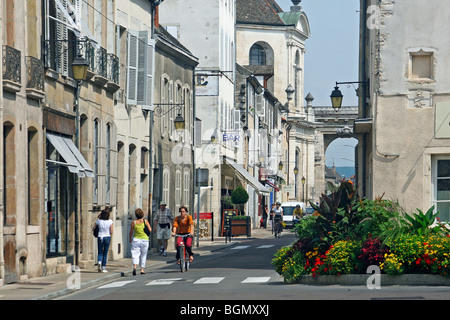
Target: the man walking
(163, 220)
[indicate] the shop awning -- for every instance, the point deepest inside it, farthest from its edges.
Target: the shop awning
(271, 184)
(73, 158)
(247, 176)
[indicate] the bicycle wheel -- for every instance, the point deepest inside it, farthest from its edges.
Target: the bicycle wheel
(182, 257)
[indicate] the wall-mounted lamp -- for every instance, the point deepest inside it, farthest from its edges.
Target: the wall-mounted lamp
(79, 68)
(336, 96)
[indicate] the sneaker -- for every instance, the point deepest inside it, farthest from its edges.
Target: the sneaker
(104, 271)
(99, 267)
(165, 254)
(161, 251)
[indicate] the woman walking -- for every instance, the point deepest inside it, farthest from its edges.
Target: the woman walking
(105, 225)
(139, 241)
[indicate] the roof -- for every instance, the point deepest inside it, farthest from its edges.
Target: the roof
(258, 12)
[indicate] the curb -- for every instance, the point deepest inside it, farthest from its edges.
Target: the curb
(369, 279)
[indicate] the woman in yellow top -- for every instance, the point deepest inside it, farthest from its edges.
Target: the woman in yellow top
(183, 224)
(139, 241)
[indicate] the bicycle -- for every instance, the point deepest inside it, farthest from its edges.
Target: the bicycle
(278, 227)
(182, 253)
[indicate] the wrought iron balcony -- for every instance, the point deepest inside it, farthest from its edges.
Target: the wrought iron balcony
(11, 69)
(103, 66)
(35, 78)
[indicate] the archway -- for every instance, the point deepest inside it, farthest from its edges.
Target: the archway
(340, 159)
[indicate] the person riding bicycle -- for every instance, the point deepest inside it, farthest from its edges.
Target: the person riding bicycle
(278, 216)
(182, 225)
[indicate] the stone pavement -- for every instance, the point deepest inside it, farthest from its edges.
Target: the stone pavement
(57, 285)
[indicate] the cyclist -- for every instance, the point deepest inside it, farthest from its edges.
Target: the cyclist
(278, 217)
(182, 225)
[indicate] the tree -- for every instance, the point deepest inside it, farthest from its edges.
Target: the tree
(239, 196)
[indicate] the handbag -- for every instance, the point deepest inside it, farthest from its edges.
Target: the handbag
(96, 229)
(146, 229)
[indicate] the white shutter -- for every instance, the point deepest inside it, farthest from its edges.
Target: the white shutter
(132, 74)
(260, 106)
(150, 74)
(62, 46)
(237, 120)
(142, 68)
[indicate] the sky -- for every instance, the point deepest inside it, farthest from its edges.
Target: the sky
(331, 55)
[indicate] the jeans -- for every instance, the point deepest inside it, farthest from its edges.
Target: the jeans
(188, 245)
(103, 247)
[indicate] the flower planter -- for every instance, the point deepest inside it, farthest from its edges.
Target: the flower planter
(241, 227)
(367, 279)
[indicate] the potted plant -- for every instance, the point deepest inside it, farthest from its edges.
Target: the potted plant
(240, 224)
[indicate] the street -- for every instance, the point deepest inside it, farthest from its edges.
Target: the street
(238, 274)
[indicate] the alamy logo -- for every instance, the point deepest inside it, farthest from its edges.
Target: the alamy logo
(374, 17)
(374, 281)
(74, 280)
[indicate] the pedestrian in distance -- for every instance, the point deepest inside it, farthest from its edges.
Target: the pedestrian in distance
(183, 225)
(139, 241)
(265, 216)
(163, 220)
(105, 225)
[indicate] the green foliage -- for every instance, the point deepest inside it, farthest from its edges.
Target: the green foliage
(421, 222)
(348, 234)
(239, 195)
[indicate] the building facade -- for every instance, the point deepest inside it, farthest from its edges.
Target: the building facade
(404, 103)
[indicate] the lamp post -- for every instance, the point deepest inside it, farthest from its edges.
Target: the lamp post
(79, 70)
(295, 180)
(303, 184)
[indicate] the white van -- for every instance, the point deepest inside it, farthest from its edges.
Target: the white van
(288, 210)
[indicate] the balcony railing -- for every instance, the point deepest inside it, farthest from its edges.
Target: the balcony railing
(35, 74)
(101, 63)
(11, 64)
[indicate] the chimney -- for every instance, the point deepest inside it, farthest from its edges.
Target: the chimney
(156, 17)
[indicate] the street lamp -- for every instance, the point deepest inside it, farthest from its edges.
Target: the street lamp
(336, 95)
(336, 98)
(303, 184)
(280, 166)
(79, 68)
(179, 122)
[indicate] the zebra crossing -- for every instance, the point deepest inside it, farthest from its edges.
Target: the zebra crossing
(199, 281)
(171, 281)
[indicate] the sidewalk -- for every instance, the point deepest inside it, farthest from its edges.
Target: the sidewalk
(53, 286)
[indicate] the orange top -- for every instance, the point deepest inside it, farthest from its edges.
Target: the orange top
(183, 226)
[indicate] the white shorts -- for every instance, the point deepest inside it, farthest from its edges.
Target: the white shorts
(163, 233)
(139, 248)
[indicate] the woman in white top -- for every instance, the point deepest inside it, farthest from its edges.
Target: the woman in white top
(105, 225)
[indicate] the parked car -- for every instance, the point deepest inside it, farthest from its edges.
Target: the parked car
(288, 210)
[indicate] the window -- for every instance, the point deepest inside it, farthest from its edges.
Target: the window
(257, 55)
(178, 184)
(33, 177)
(166, 182)
(108, 162)
(141, 52)
(186, 187)
(421, 65)
(441, 182)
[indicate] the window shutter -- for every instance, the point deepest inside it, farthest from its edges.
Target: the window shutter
(260, 106)
(61, 34)
(132, 74)
(142, 68)
(150, 74)
(237, 120)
